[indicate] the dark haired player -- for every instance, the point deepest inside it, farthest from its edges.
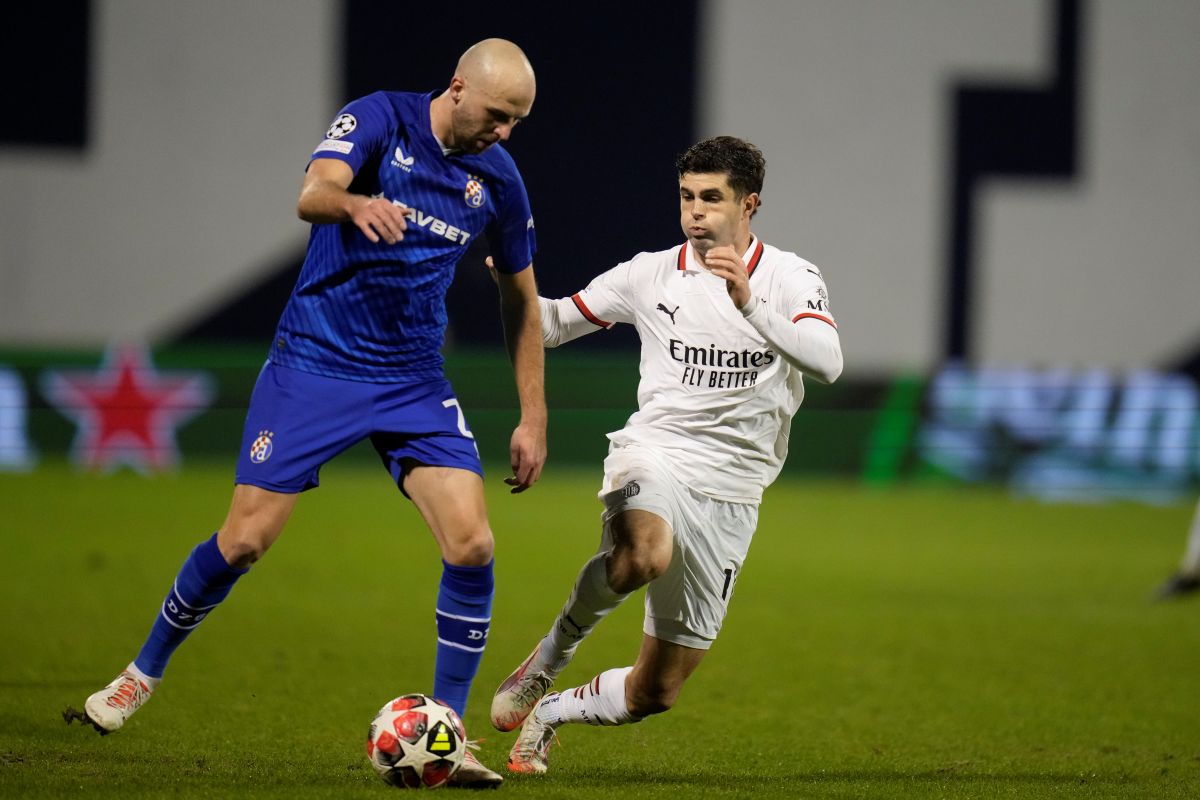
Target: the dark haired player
(729, 327)
(396, 192)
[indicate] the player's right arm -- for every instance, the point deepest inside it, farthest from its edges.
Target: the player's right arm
(600, 306)
(325, 198)
(604, 303)
(361, 130)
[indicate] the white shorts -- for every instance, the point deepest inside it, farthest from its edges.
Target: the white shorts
(685, 605)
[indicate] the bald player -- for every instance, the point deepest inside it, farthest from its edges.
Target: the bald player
(396, 192)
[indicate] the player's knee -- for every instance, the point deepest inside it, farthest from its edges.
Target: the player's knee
(630, 568)
(471, 550)
(255, 520)
(241, 548)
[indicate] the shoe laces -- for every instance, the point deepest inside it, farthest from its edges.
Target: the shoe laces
(541, 747)
(128, 695)
(531, 688)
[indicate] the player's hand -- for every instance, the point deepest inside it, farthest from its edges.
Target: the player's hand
(379, 218)
(527, 451)
(725, 263)
(491, 268)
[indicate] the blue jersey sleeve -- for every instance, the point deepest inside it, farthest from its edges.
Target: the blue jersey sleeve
(361, 128)
(511, 233)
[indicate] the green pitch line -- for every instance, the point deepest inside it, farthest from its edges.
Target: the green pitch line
(892, 643)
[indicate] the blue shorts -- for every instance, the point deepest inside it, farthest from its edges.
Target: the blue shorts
(298, 421)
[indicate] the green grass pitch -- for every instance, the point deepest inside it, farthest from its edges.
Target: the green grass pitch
(909, 642)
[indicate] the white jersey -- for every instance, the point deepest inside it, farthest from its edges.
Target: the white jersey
(715, 400)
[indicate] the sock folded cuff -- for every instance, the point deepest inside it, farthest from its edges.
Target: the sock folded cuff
(468, 582)
(212, 566)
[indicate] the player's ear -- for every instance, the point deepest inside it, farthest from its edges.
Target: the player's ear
(750, 204)
(457, 86)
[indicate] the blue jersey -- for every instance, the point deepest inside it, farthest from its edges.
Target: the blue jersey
(377, 312)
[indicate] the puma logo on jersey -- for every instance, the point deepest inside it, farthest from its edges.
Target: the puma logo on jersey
(669, 313)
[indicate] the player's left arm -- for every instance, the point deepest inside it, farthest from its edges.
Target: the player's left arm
(523, 337)
(809, 342)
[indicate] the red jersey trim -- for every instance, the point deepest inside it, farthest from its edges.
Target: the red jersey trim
(588, 315)
(754, 259)
(824, 319)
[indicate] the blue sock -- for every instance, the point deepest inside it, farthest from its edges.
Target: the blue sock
(464, 612)
(203, 582)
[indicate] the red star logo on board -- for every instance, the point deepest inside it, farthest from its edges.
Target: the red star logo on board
(127, 411)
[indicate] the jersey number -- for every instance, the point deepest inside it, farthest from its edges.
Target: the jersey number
(462, 421)
(728, 580)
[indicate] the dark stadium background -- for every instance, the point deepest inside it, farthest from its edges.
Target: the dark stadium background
(951, 588)
(623, 89)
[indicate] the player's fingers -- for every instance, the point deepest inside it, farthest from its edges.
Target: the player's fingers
(521, 473)
(724, 255)
(372, 237)
(722, 265)
(720, 271)
(384, 231)
(391, 222)
(399, 217)
(491, 268)
(526, 474)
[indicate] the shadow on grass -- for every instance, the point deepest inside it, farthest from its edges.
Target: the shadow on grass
(91, 684)
(602, 777)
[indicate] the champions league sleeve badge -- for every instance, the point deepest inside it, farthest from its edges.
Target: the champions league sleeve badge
(262, 448)
(474, 194)
(341, 126)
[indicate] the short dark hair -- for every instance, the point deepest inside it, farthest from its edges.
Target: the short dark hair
(741, 161)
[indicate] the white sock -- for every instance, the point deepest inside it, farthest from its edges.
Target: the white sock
(591, 600)
(152, 683)
(601, 701)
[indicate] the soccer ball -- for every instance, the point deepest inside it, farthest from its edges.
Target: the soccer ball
(416, 741)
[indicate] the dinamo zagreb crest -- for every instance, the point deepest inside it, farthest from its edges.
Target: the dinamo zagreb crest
(262, 448)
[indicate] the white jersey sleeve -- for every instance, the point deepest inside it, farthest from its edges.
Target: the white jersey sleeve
(800, 326)
(604, 303)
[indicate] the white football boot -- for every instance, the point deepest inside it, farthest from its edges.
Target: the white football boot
(518, 694)
(531, 752)
(473, 774)
(109, 708)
